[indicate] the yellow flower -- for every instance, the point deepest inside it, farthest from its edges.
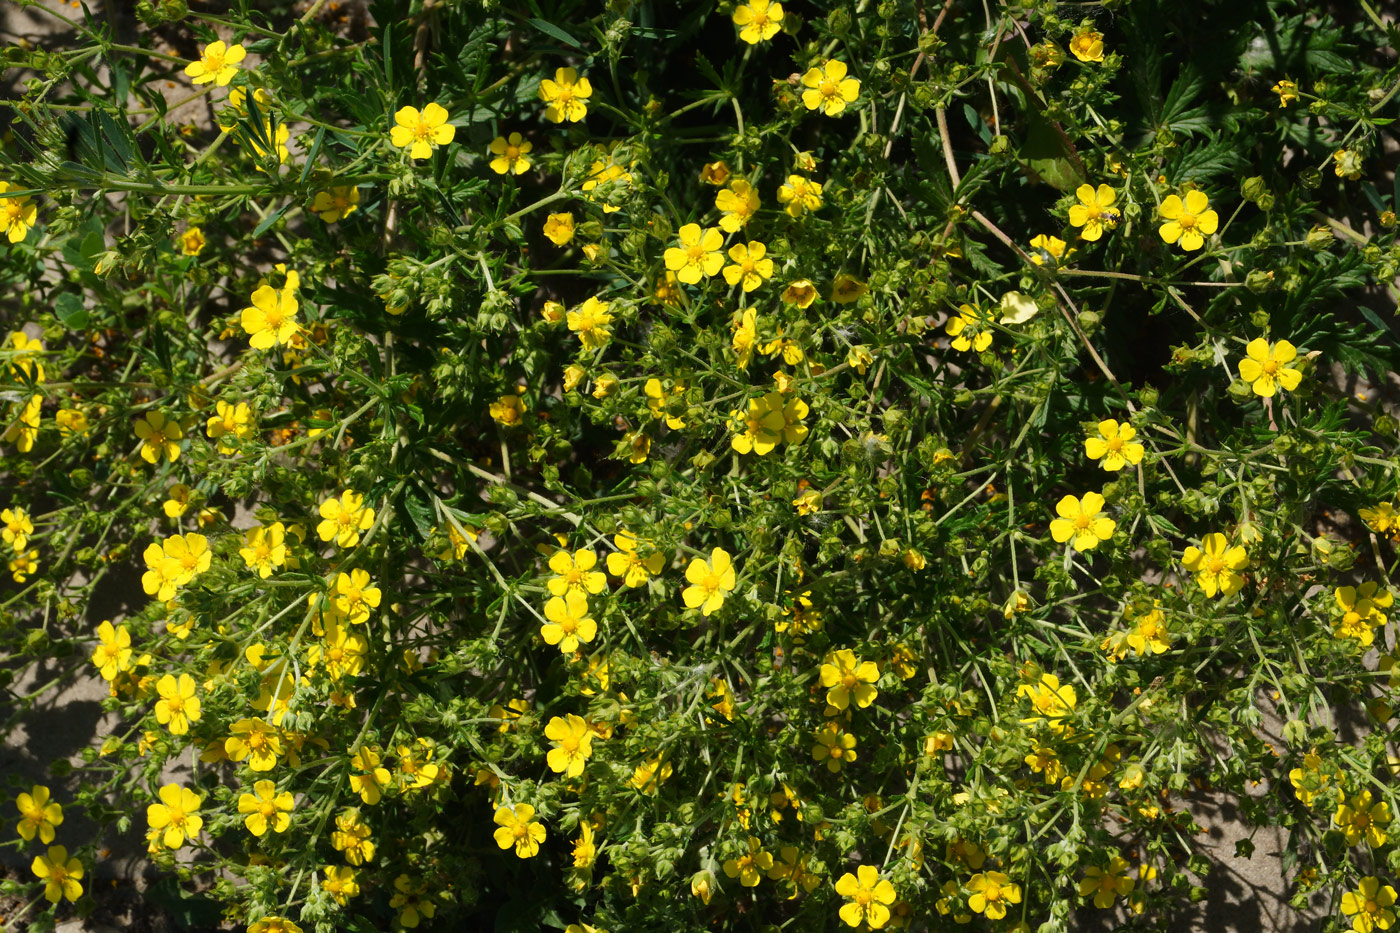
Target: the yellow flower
(511, 154)
(218, 63)
(264, 548)
(59, 873)
(177, 706)
(828, 88)
(1216, 565)
(1287, 92)
(352, 837)
(800, 292)
(629, 563)
(868, 897)
(192, 241)
(1050, 701)
(714, 173)
(566, 96)
(336, 204)
(847, 289)
(834, 746)
(559, 228)
(1048, 250)
(113, 652)
(1265, 367)
(176, 816)
(768, 420)
(610, 176)
(256, 741)
(507, 410)
(421, 132)
(274, 925)
(356, 596)
(970, 329)
(1046, 761)
(698, 254)
(749, 266)
(1361, 613)
(343, 519)
(585, 851)
(266, 809)
(17, 215)
(702, 886)
(1188, 222)
(17, 528)
(749, 866)
(160, 437)
(1106, 884)
(340, 883)
(758, 20)
(24, 429)
(738, 203)
(271, 321)
(411, 901)
(1346, 163)
(1369, 906)
(22, 565)
(229, 421)
(517, 828)
(71, 421)
(1083, 520)
(1095, 211)
(848, 679)
(800, 195)
(191, 552)
(590, 321)
(1361, 818)
(709, 581)
(1087, 45)
(38, 814)
(575, 573)
(573, 745)
(991, 893)
(1383, 519)
(648, 775)
(568, 622)
(368, 779)
(1114, 445)
(745, 326)
(808, 502)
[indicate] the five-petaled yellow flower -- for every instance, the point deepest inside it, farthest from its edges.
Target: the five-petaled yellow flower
(177, 706)
(217, 63)
(160, 437)
(848, 679)
(1095, 210)
(991, 893)
(1287, 91)
(1216, 565)
(758, 20)
(17, 215)
(38, 814)
(1087, 45)
(698, 254)
(1083, 520)
(1114, 445)
(192, 241)
(868, 897)
(566, 96)
(59, 873)
(1362, 818)
(511, 154)
(835, 746)
(800, 195)
(1189, 221)
(113, 652)
(709, 581)
(559, 228)
(828, 88)
(421, 132)
(336, 203)
(1265, 367)
(749, 866)
(738, 203)
(631, 564)
(573, 744)
(265, 808)
(1369, 906)
(343, 519)
(568, 622)
(1106, 884)
(517, 827)
(176, 816)
(575, 573)
(751, 267)
(591, 321)
(271, 321)
(970, 329)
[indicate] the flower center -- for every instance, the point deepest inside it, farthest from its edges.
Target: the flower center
(849, 681)
(828, 88)
(422, 131)
(1186, 221)
(1115, 444)
(1215, 565)
(569, 626)
(1270, 367)
(267, 808)
(213, 62)
(1081, 521)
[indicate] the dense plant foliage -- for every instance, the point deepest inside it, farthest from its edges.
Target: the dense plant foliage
(740, 466)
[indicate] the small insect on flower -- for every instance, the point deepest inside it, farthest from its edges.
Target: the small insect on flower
(1095, 211)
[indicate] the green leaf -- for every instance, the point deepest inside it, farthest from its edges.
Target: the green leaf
(69, 309)
(550, 29)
